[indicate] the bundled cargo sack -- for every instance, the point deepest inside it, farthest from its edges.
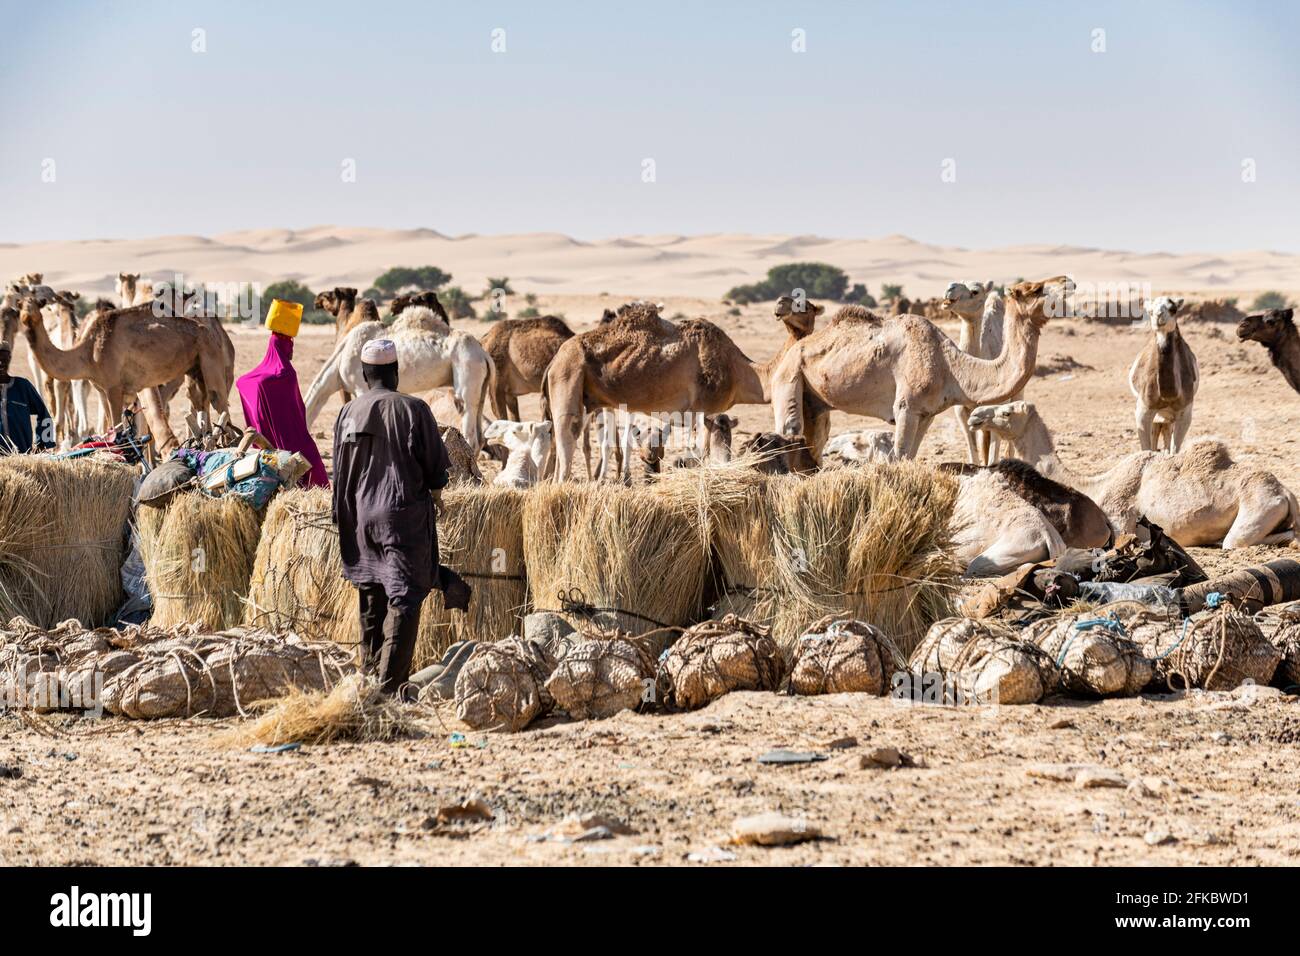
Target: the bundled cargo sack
(715, 658)
(1093, 654)
(598, 677)
(503, 685)
(1281, 625)
(984, 663)
(1217, 649)
(842, 655)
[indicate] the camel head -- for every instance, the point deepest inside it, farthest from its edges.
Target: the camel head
(428, 299)
(29, 313)
(861, 446)
(336, 300)
(966, 299)
(1267, 327)
(718, 430)
(1162, 313)
(1042, 300)
(533, 438)
(1007, 421)
(799, 321)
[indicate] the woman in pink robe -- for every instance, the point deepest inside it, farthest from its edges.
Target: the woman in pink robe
(273, 405)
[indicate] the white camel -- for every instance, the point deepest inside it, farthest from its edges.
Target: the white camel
(981, 310)
(530, 445)
(429, 355)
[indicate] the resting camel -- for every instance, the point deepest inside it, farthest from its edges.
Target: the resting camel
(126, 351)
(1275, 330)
(980, 310)
(530, 451)
(904, 370)
(996, 530)
(521, 349)
(1163, 379)
(644, 363)
(1199, 496)
(428, 299)
(429, 355)
(854, 448)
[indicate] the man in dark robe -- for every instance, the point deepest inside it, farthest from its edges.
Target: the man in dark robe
(389, 470)
(20, 402)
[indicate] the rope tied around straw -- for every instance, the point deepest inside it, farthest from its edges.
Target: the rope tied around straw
(574, 601)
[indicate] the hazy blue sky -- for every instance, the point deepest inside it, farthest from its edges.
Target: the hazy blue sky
(1139, 147)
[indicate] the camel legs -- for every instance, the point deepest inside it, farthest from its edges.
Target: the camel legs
(155, 413)
(1146, 420)
(962, 414)
(1258, 518)
(1178, 430)
(909, 428)
(1009, 552)
(565, 390)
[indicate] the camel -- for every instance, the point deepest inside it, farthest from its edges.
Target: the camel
(530, 451)
(904, 370)
(66, 400)
(1199, 496)
(1163, 379)
(132, 350)
(981, 311)
(995, 530)
(348, 313)
(521, 349)
(713, 448)
(860, 446)
(131, 290)
(778, 455)
(1275, 330)
(429, 355)
(427, 299)
(644, 363)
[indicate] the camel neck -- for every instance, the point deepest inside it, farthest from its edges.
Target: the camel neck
(987, 381)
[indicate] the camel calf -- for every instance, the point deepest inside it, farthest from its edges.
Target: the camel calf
(530, 451)
(1163, 379)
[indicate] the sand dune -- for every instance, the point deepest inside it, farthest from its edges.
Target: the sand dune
(658, 265)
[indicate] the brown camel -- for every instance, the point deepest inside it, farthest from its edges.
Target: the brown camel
(348, 312)
(1275, 330)
(644, 363)
(1163, 379)
(521, 349)
(128, 351)
(428, 299)
(1079, 519)
(904, 370)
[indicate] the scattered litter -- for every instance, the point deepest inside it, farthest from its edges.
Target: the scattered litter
(275, 748)
(790, 756)
(713, 854)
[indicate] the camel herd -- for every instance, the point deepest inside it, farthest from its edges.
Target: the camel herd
(635, 378)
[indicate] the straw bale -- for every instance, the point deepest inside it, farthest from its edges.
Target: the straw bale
(842, 655)
(62, 537)
(1095, 660)
(631, 559)
(598, 677)
(984, 663)
(198, 556)
(353, 709)
(1217, 649)
(503, 685)
(715, 658)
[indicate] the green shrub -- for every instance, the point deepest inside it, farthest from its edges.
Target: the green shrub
(401, 277)
(818, 280)
(1268, 300)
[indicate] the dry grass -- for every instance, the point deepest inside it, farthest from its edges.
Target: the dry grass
(481, 536)
(62, 538)
(354, 709)
(872, 542)
(296, 582)
(198, 554)
(641, 553)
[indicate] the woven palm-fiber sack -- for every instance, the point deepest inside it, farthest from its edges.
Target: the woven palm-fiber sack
(1217, 649)
(503, 685)
(1094, 655)
(987, 663)
(1281, 626)
(844, 656)
(249, 673)
(717, 657)
(598, 677)
(177, 683)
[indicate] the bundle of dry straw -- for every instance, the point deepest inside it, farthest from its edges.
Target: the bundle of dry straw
(870, 542)
(198, 554)
(632, 559)
(297, 580)
(62, 538)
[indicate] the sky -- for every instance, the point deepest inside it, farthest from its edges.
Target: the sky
(976, 124)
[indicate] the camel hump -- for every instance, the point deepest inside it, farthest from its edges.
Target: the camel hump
(1207, 455)
(855, 313)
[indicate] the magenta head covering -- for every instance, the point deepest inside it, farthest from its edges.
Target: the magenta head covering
(273, 405)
